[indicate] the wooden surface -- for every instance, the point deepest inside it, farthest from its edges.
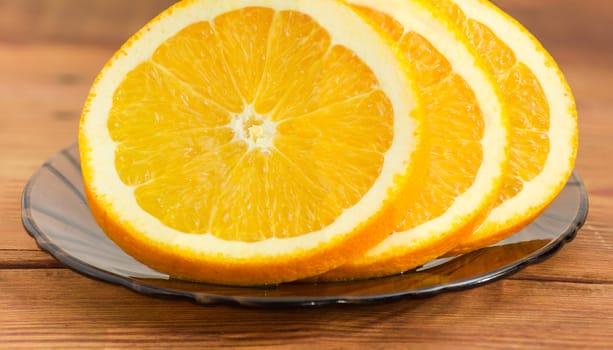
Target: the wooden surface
(50, 50)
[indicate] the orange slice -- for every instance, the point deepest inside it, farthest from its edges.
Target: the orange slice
(543, 117)
(466, 142)
(250, 142)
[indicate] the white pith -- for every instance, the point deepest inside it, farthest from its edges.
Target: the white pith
(256, 130)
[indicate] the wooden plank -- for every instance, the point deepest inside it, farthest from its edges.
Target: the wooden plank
(563, 23)
(109, 22)
(41, 105)
(104, 22)
(27, 259)
(62, 309)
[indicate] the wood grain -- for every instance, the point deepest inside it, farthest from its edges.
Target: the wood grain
(515, 312)
(99, 22)
(51, 50)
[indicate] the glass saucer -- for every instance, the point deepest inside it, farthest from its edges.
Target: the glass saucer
(55, 213)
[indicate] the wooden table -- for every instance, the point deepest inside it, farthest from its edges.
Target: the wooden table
(50, 50)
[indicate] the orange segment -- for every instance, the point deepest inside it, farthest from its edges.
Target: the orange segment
(529, 128)
(497, 55)
(296, 47)
(430, 66)
(201, 67)
(340, 77)
(244, 43)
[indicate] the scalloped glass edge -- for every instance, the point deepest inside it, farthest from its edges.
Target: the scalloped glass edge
(55, 214)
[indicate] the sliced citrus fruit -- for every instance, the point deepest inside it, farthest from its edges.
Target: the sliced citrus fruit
(465, 129)
(543, 117)
(250, 142)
